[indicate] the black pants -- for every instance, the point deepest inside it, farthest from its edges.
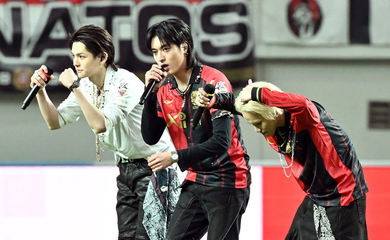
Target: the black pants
(202, 208)
(132, 184)
(346, 223)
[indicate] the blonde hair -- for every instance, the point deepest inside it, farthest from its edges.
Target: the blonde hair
(267, 112)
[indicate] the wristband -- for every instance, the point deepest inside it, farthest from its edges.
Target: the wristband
(75, 84)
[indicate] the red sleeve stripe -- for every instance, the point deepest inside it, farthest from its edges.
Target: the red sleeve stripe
(334, 165)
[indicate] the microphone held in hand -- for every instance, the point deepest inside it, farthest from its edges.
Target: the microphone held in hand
(209, 89)
(147, 91)
(36, 89)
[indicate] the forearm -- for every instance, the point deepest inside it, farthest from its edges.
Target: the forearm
(225, 101)
(218, 144)
(92, 114)
(48, 110)
(152, 126)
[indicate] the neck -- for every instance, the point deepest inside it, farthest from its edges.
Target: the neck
(98, 78)
(281, 120)
(183, 79)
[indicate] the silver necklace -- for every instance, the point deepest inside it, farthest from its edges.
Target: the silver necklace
(185, 88)
(288, 166)
(290, 147)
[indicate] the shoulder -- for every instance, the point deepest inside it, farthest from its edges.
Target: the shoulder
(210, 73)
(222, 84)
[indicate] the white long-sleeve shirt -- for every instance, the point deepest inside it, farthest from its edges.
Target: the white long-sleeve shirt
(122, 111)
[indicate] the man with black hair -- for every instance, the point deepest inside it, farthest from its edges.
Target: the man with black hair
(215, 192)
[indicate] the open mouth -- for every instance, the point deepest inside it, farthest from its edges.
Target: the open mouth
(165, 67)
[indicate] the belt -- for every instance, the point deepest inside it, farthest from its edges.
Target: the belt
(125, 160)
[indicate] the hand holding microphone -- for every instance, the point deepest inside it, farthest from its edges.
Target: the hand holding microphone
(41, 77)
(155, 75)
(209, 89)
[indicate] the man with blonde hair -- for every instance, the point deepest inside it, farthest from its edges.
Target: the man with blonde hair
(319, 154)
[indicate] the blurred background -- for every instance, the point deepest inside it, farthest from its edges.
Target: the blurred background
(336, 52)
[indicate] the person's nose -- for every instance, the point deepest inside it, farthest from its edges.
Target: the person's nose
(75, 62)
(161, 57)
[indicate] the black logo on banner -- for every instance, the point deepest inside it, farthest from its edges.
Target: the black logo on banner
(304, 18)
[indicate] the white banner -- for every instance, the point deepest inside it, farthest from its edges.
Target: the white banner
(33, 32)
(379, 20)
(310, 22)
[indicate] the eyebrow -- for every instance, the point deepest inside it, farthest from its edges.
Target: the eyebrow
(78, 53)
(162, 46)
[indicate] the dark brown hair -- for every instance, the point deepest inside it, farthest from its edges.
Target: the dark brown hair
(97, 41)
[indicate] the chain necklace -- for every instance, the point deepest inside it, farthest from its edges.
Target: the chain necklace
(181, 88)
(290, 147)
(288, 166)
(186, 86)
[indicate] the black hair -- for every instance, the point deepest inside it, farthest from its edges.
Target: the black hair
(173, 31)
(97, 41)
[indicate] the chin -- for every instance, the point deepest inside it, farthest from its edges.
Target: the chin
(268, 134)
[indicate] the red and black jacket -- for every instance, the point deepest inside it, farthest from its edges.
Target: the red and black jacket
(213, 153)
(325, 163)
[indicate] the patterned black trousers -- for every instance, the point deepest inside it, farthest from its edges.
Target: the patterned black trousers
(312, 222)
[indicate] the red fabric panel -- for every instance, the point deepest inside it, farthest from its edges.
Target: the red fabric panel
(282, 197)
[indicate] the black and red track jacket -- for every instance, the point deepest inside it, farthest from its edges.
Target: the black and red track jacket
(325, 162)
(213, 153)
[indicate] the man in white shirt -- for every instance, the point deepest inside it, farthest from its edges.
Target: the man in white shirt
(108, 98)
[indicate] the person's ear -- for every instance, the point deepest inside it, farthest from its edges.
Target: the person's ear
(103, 57)
(184, 47)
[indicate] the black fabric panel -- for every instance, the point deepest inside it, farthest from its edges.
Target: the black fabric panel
(359, 22)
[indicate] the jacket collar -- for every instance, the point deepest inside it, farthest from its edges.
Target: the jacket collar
(194, 79)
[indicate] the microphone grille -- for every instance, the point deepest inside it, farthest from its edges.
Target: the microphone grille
(209, 88)
(49, 71)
